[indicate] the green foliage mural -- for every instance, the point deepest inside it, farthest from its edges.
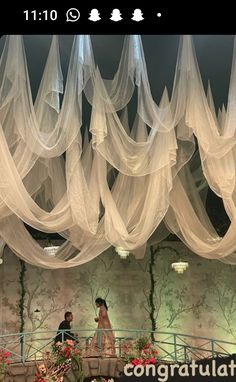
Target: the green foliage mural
(141, 294)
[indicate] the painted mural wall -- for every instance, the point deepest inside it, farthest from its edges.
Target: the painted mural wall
(202, 301)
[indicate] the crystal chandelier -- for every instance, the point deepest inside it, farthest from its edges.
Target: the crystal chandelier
(51, 250)
(180, 266)
(123, 253)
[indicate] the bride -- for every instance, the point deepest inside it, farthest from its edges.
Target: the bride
(103, 341)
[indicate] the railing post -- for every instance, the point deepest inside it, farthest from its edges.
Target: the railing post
(175, 347)
(63, 336)
(212, 348)
(119, 341)
(22, 347)
(185, 354)
(152, 336)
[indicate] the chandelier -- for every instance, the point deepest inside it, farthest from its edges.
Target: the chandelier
(123, 253)
(180, 266)
(51, 250)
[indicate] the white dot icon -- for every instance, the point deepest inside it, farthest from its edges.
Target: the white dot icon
(159, 14)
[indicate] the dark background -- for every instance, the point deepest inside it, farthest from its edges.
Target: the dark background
(177, 17)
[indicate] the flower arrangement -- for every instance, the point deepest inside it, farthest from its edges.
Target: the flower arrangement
(63, 357)
(66, 351)
(139, 352)
(4, 362)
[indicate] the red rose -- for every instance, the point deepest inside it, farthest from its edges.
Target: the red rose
(136, 361)
(152, 360)
(70, 342)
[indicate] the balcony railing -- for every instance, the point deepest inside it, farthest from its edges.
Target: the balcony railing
(172, 347)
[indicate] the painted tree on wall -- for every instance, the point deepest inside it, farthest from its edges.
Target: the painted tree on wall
(181, 306)
(222, 297)
(168, 298)
(10, 298)
(42, 300)
(13, 320)
(95, 278)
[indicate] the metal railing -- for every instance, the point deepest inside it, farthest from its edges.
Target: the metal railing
(172, 347)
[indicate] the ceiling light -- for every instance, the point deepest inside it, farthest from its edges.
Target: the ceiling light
(123, 253)
(180, 266)
(51, 250)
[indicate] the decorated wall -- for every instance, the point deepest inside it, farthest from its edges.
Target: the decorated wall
(141, 294)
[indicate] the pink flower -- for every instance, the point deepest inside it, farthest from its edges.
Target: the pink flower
(152, 360)
(6, 354)
(70, 342)
(136, 361)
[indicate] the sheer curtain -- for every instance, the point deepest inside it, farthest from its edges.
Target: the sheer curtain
(115, 184)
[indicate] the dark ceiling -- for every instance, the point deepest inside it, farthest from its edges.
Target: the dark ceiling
(214, 54)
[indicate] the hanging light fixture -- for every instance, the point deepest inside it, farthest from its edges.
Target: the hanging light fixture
(51, 250)
(180, 266)
(123, 253)
(1, 260)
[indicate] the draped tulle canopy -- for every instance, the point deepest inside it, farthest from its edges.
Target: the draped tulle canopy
(99, 181)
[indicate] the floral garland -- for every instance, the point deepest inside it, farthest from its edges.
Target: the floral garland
(63, 357)
(139, 352)
(4, 362)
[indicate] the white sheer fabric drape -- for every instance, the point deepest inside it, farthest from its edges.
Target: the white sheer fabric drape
(114, 185)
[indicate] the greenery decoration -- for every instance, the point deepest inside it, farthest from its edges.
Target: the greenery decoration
(22, 295)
